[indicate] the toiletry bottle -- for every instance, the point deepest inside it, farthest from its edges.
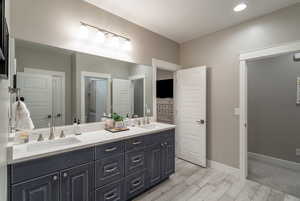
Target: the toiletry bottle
(78, 131)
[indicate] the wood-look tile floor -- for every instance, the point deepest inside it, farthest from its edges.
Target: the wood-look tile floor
(193, 183)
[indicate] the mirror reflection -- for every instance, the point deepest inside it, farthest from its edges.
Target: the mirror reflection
(58, 85)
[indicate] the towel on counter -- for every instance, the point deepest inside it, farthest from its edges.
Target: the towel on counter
(21, 115)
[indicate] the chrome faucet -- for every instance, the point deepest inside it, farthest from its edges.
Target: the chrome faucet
(51, 130)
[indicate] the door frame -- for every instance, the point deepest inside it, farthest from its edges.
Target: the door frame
(53, 73)
(137, 77)
(163, 65)
(82, 90)
(243, 121)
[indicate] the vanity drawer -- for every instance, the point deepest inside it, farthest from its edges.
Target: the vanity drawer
(107, 150)
(135, 143)
(109, 170)
(111, 192)
(34, 168)
(135, 184)
(135, 161)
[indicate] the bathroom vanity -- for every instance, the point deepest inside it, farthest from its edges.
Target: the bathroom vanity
(102, 167)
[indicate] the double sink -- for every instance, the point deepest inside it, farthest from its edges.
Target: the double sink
(73, 141)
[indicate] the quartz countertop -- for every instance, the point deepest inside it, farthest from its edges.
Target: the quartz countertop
(35, 150)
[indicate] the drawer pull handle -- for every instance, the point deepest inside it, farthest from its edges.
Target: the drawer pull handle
(110, 195)
(136, 142)
(136, 182)
(111, 149)
(111, 169)
(137, 159)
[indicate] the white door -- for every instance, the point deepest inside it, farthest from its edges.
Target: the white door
(37, 92)
(58, 101)
(121, 96)
(191, 115)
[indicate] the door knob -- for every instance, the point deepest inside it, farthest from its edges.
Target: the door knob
(201, 121)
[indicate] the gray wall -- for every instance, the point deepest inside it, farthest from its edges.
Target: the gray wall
(273, 116)
(4, 109)
(56, 23)
(41, 57)
(220, 52)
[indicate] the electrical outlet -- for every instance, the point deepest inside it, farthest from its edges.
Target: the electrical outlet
(298, 152)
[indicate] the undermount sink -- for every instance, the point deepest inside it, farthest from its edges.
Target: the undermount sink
(52, 143)
(149, 126)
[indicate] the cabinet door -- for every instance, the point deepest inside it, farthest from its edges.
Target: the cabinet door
(154, 164)
(168, 158)
(77, 183)
(41, 189)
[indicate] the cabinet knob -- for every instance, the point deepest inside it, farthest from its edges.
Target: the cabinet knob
(65, 175)
(55, 178)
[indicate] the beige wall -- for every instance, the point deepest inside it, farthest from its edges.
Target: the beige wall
(56, 23)
(220, 52)
(4, 109)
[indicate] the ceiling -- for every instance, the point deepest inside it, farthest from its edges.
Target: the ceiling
(183, 20)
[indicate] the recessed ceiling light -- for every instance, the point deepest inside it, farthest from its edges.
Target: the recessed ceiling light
(240, 7)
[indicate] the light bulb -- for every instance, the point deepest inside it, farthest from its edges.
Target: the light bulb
(83, 32)
(100, 36)
(127, 45)
(114, 41)
(240, 7)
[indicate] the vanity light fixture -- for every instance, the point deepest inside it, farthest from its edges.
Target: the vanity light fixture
(84, 31)
(112, 39)
(240, 7)
(100, 37)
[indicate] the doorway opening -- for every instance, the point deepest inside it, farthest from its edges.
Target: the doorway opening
(269, 113)
(165, 96)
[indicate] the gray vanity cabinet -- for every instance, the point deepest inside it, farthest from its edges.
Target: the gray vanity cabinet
(77, 184)
(44, 188)
(116, 171)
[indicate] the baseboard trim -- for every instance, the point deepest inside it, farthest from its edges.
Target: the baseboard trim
(275, 161)
(222, 167)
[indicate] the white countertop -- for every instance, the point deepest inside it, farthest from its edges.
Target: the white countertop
(23, 152)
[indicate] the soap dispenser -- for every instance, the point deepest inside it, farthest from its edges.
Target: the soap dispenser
(78, 131)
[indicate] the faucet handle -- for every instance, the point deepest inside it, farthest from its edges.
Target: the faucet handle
(62, 134)
(40, 138)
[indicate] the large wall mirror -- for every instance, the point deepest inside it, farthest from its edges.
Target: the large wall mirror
(62, 85)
